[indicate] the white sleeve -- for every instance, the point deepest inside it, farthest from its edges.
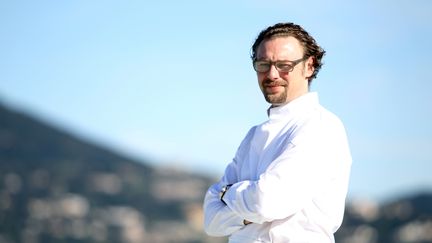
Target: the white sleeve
(220, 220)
(307, 164)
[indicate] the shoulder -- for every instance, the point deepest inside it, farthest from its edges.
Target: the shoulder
(246, 140)
(316, 123)
(330, 120)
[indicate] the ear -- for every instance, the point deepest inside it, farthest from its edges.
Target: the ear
(309, 67)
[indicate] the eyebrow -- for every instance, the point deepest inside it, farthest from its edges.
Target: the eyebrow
(268, 60)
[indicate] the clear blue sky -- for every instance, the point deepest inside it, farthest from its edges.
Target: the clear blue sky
(171, 81)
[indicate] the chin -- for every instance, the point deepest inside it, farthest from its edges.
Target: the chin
(275, 100)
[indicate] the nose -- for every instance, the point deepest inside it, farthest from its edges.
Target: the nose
(273, 73)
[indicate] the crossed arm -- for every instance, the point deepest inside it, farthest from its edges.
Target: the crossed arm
(282, 190)
(316, 161)
(307, 166)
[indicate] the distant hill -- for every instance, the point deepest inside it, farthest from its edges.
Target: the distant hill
(55, 187)
(405, 220)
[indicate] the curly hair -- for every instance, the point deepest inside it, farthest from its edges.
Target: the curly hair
(310, 47)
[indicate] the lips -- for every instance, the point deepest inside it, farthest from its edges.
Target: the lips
(273, 85)
(273, 88)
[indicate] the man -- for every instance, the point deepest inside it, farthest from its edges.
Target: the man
(289, 178)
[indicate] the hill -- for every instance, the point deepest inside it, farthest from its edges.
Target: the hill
(55, 187)
(408, 219)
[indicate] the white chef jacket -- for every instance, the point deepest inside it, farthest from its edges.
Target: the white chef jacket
(290, 178)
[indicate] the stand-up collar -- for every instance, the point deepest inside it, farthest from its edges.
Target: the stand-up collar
(298, 105)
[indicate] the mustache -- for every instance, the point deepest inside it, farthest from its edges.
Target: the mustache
(268, 82)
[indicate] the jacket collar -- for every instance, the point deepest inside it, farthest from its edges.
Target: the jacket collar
(298, 105)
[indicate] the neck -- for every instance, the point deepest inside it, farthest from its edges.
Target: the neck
(293, 97)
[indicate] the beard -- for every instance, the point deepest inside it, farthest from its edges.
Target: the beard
(274, 97)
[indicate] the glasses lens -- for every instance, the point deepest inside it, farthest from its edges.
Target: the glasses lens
(261, 66)
(284, 66)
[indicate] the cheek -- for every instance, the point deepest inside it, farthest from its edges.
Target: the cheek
(260, 78)
(285, 76)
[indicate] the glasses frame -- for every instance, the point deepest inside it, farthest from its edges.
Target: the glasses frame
(293, 64)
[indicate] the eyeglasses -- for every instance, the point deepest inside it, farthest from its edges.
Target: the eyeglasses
(281, 66)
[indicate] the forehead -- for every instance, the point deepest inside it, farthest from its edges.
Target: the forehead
(279, 48)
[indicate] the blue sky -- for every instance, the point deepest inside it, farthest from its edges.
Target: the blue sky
(171, 81)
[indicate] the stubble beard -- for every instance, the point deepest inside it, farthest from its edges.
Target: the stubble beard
(276, 99)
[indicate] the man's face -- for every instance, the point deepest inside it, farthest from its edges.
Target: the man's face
(281, 87)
